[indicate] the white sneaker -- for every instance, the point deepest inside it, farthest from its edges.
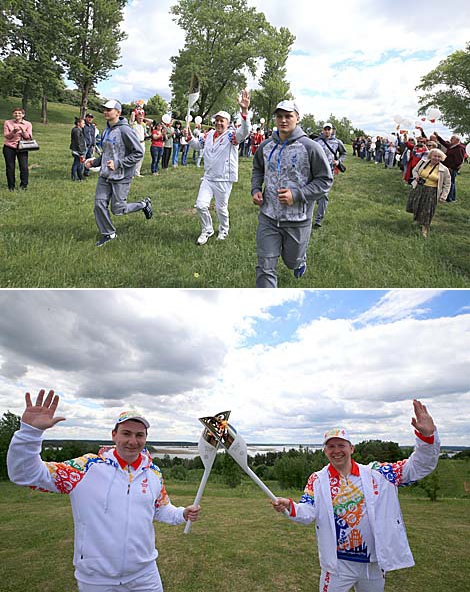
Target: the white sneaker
(204, 237)
(222, 235)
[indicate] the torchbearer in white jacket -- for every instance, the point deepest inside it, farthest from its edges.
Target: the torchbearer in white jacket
(359, 525)
(220, 168)
(115, 495)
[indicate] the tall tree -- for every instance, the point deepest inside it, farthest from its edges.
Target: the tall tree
(94, 48)
(156, 106)
(447, 87)
(32, 33)
(8, 426)
(222, 44)
(273, 84)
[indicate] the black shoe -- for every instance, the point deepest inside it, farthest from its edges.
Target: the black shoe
(317, 225)
(148, 212)
(106, 238)
(23, 187)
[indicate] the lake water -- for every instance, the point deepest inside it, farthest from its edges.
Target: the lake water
(190, 452)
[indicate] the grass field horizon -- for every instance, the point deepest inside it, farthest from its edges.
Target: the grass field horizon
(239, 541)
(367, 240)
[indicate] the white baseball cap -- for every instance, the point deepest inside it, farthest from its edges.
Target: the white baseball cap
(223, 114)
(287, 106)
(112, 104)
(336, 433)
(328, 124)
(126, 415)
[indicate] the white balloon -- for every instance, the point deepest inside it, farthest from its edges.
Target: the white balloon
(262, 120)
(467, 149)
(433, 113)
(166, 118)
(398, 119)
(189, 118)
(351, 132)
(198, 119)
(418, 123)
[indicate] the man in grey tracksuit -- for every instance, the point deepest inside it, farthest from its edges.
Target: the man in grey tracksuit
(121, 152)
(290, 173)
(335, 153)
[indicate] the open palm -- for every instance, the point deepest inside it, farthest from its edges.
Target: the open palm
(41, 414)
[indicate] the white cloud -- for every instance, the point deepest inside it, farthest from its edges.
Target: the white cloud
(180, 354)
(389, 48)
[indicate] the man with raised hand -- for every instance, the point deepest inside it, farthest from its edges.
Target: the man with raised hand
(220, 168)
(115, 495)
(359, 526)
(290, 173)
(121, 151)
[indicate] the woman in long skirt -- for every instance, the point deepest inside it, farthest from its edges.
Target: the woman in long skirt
(431, 183)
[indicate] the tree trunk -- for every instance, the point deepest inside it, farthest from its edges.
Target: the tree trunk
(84, 105)
(44, 110)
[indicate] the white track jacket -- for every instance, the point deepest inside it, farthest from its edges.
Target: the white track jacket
(380, 482)
(221, 152)
(113, 508)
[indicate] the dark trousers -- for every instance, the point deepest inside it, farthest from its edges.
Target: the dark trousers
(10, 155)
(77, 168)
(166, 157)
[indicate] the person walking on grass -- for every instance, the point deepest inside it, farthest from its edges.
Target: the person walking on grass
(220, 168)
(359, 526)
(335, 152)
(290, 173)
(115, 496)
(78, 147)
(431, 185)
(121, 151)
(90, 137)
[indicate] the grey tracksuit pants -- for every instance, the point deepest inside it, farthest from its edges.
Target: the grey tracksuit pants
(114, 192)
(273, 241)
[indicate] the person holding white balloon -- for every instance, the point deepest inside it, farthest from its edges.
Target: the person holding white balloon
(220, 168)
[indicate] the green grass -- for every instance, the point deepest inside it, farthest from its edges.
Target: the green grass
(239, 544)
(47, 234)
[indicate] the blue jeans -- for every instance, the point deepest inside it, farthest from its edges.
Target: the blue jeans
(77, 168)
(452, 193)
(176, 151)
(89, 154)
(156, 153)
(184, 158)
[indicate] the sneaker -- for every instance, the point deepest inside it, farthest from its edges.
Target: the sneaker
(317, 225)
(222, 235)
(106, 238)
(204, 237)
(148, 212)
(299, 271)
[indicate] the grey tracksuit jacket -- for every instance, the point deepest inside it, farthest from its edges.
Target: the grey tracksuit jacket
(120, 144)
(298, 164)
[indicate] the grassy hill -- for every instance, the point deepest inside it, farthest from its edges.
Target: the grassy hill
(239, 540)
(47, 234)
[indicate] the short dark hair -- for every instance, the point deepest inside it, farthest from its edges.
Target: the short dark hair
(19, 109)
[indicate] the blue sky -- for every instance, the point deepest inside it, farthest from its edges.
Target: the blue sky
(361, 59)
(288, 363)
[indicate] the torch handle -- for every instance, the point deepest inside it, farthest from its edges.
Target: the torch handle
(264, 487)
(200, 491)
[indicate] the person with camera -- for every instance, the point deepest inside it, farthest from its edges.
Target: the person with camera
(335, 153)
(16, 129)
(431, 184)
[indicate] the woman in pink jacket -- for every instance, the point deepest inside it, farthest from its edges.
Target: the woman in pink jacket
(16, 129)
